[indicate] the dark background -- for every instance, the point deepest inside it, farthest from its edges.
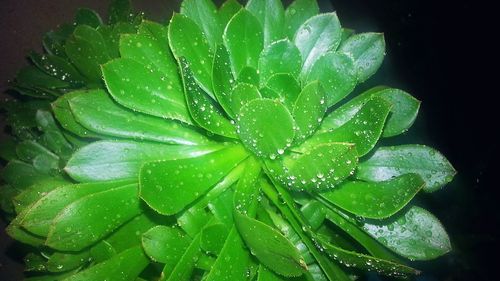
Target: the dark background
(444, 54)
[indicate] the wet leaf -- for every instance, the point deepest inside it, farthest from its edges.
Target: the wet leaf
(337, 75)
(104, 212)
(165, 244)
(297, 13)
(392, 161)
(367, 50)
(228, 9)
(284, 88)
(241, 94)
(279, 57)
(244, 40)
(87, 17)
(187, 40)
(376, 200)
(363, 130)
(317, 35)
(268, 137)
(204, 13)
(271, 16)
(96, 111)
(270, 247)
(61, 262)
(169, 186)
(415, 234)
(309, 110)
(223, 79)
(108, 160)
(125, 266)
(63, 114)
(204, 110)
(135, 86)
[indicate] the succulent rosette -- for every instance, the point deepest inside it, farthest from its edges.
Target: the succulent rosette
(228, 144)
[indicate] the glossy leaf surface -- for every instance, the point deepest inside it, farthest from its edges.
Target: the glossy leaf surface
(169, 186)
(367, 51)
(271, 16)
(375, 200)
(279, 57)
(388, 162)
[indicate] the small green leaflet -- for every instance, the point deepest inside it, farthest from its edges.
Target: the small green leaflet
(271, 16)
(297, 13)
(367, 50)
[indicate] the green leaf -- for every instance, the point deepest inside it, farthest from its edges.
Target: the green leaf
(31, 76)
(234, 253)
(247, 189)
(309, 110)
(149, 50)
(415, 234)
(392, 161)
(120, 11)
(241, 94)
(266, 274)
(337, 75)
(165, 244)
(185, 264)
(279, 57)
(266, 137)
(169, 186)
(63, 114)
(317, 36)
(213, 237)
(270, 247)
(228, 9)
(346, 33)
(21, 175)
(61, 262)
(284, 88)
(404, 109)
(87, 17)
(8, 148)
(187, 40)
(155, 31)
(363, 130)
(52, 136)
(135, 86)
(125, 266)
(39, 216)
(321, 167)
(244, 40)
(375, 200)
(248, 75)
(204, 13)
(297, 13)
(108, 160)
(130, 234)
(368, 263)
(53, 41)
(223, 79)
(104, 212)
(271, 16)
(96, 111)
(204, 110)
(87, 50)
(34, 192)
(367, 50)
(57, 67)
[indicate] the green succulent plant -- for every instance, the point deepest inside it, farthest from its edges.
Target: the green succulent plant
(221, 146)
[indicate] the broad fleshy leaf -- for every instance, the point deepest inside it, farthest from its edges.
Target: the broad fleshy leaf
(376, 200)
(227, 10)
(223, 79)
(415, 234)
(187, 40)
(337, 75)
(279, 57)
(363, 130)
(104, 212)
(204, 110)
(169, 186)
(241, 94)
(367, 50)
(204, 13)
(297, 13)
(244, 40)
(165, 244)
(109, 160)
(309, 110)
(271, 16)
(270, 246)
(268, 137)
(96, 111)
(392, 161)
(317, 35)
(135, 86)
